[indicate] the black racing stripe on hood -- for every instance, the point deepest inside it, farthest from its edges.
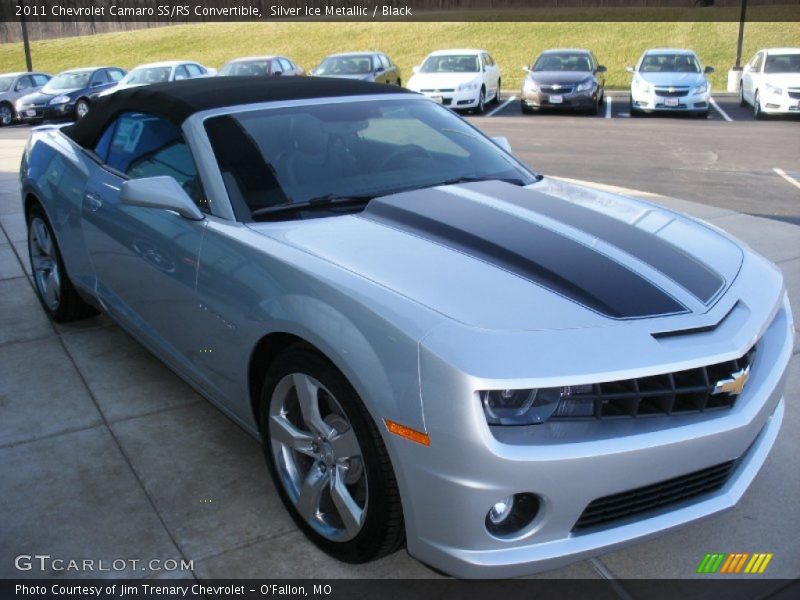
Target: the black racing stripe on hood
(663, 256)
(540, 255)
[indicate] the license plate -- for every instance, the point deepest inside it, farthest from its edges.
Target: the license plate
(30, 113)
(670, 102)
(437, 99)
(556, 99)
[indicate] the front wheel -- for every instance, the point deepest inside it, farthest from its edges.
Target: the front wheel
(81, 108)
(742, 101)
(6, 115)
(53, 287)
(328, 460)
(481, 102)
(757, 112)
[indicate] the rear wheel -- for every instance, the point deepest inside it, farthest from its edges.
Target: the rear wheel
(6, 114)
(526, 110)
(496, 99)
(328, 460)
(53, 287)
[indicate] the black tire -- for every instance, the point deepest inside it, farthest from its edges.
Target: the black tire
(634, 112)
(496, 99)
(383, 530)
(602, 99)
(69, 306)
(526, 110)
(703, 115)
(7, 114)
(399, 82)
(758, 114)
(81, 108)
(742, 101)
(479, 110)
(594, 108)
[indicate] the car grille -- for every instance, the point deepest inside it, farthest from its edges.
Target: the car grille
(650, 497)
(672, 93)
(795, 94)
(444, 91)
(680, 392)
(561, 89)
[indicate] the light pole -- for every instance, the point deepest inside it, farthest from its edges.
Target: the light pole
(742, 16)
(25, 42)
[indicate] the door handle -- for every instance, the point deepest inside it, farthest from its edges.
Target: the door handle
(93, 202)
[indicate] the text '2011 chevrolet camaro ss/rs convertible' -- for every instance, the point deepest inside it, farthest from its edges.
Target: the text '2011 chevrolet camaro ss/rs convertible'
(435, 345)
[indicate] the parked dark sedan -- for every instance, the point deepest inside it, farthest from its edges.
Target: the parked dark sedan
(68, 95)
(564, 79)
(367, 66)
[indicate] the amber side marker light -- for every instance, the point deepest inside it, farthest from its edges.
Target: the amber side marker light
(407, 432)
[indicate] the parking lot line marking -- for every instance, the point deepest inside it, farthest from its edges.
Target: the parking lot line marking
(789, 178)
(502, 106)
(608, 106)
(719, 110)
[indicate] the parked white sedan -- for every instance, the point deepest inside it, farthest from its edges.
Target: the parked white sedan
(461, 79)
(771, 82)
(160, 72)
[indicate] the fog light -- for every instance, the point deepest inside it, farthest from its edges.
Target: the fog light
(510, 515)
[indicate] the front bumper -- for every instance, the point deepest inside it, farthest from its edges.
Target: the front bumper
(470, 466)
(781, 104)
(32, 114)
(652, 102)
(572, 101)
(457, 100)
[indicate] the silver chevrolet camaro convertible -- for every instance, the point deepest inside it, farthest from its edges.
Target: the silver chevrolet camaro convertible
(435, 345)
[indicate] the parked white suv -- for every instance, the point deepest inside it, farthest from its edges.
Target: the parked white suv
(771, 82)
(461, 79)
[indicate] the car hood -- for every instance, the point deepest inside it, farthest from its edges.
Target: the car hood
(563, 77)
(438, 81)
(783, 80)
(358, 77)
(673, 79)
(42, 96)
(549, 256)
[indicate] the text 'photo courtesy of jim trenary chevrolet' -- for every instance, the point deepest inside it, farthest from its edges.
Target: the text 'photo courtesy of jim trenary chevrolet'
(338, 306)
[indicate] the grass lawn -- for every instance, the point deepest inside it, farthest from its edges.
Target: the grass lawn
(512, 44)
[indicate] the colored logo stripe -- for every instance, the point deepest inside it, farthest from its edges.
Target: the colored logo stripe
(736, 562)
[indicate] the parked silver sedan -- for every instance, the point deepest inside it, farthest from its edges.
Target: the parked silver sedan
(434, 344)
(12, 87)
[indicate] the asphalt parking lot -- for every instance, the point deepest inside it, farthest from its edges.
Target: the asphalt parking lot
(104, 453)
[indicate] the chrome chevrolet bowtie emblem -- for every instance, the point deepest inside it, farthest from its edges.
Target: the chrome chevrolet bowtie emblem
(556, 87)
(734, 385)
(672, 89)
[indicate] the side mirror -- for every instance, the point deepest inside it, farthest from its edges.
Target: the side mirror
(415, 70)
(278, 73)
(630, 69)
(601, 69)
(708, 70)
(503, 143)
(526, 69)
(160, 192)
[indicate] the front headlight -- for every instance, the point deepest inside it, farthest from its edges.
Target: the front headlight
(63, 99)
(535, 406)
(641, 85)
(773, 89)
(530, 85)
(585, 86)
(467, 86)
(700, 89)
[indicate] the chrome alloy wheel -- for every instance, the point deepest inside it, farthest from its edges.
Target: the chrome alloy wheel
(81, 109)
(44, 263)
(6, 115)
(317, 457)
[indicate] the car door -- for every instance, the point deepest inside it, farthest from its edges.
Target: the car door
(600, 77)
(381, 76)
(145, 259)
(100, 81)
(750, 76)
(180, 73)
(490, 75)
(39, 81)
(24, 85)
(194, 70)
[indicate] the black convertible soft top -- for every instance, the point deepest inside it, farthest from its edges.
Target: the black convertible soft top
(178, 100)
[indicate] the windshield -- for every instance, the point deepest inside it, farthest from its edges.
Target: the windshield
(782, 63)
(148, 75)
(345, 65)
(254, 67)
(5, 83)
(451, 63)
(68, 81)
(368, 148)
(669, 63)
(563, 61)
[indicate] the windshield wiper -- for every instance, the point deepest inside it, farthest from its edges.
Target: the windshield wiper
(319, 203)
(454, 181)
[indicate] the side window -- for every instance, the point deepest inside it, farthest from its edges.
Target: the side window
(115, 75)
(757, 60)
(40, 79)
(275, 67)
(194, 70)
(385, 61)
(99, 78)
(24, 83)
(287, 66)
(142, 145)
(488, 60)
(181, 72)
